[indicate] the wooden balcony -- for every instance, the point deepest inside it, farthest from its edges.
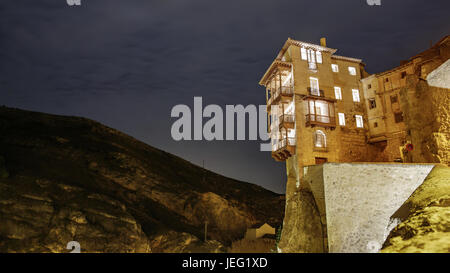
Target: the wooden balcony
(283, 94)
(317, 95)
(287, 121)
(284, 149)
(320, 120)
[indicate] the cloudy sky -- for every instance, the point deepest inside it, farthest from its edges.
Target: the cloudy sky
(126, 63)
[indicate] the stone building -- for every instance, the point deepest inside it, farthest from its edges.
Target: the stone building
(323, 107)
(408, 119)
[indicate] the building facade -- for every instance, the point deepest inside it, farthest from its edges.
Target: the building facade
(323, 107)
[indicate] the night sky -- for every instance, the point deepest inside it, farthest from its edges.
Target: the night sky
(126, 63)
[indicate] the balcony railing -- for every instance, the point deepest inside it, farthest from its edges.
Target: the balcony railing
(283, 143)
(287, 90)
(287, 118)
(283, 148)
(313, 119)
(283, 91)
(287, 121)
(316, 92)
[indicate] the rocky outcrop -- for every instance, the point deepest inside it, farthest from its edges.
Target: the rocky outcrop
(425, 217)
(428, 127)
(41, 216)
(302, 229)
(72, 179)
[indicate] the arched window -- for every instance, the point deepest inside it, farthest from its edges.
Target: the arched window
(320, 139)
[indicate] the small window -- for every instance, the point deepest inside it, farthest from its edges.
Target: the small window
(320, 139)
(314, 83)
(403, 74)
(372, 103)
(352, 70)
(375, 124)
(337, 93)
(359, 121)
(311, 56)
(369, 86)
(387, 80)
(355, 93)
(335, 68)
(398, 117)
(304, 56)
(341, 119)
(319, 57)
(394, 99)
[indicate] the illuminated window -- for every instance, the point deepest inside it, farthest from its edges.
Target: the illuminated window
(335, 68)
(319, 57)
(352, 70)
(359, 121)
(314, 83)
(337, 93)
(341, 119)
(311, 56)
(355, 93)
(320, 139)
(303, 51)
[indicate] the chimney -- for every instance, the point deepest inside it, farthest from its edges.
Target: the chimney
(323, 42)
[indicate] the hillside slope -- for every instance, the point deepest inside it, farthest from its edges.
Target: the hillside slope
(70, 178)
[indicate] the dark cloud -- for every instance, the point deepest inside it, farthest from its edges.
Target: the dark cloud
(126, 63)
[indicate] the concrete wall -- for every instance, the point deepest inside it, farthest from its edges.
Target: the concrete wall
(346, 207)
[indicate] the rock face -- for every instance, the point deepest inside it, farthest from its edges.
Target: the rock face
(39, 216)
(72, 179)
(302, 230)
(428, 127)
(425, 217)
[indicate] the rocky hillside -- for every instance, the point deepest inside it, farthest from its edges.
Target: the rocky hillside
(72, 179)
